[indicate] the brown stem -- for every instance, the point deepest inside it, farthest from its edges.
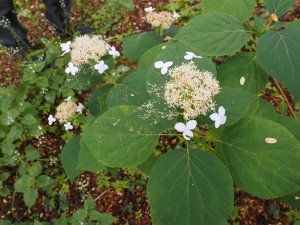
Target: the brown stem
(103, 193)
(279, 88)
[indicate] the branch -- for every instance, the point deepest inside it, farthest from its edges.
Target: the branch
(279, 88)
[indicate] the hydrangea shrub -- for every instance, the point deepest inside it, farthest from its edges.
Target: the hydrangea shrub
(227, 136)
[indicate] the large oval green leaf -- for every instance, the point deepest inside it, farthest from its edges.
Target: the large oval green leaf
(279, 7)
(131, 91)
(190, 188)
(260, 168)
(232, 71)
(69, 158)
(241, 9)
(214, 34)
(237, 103)
(125, 136)
(137, 44)
(278, 53)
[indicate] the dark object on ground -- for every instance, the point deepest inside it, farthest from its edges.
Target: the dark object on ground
(13, 34)
(84, 29)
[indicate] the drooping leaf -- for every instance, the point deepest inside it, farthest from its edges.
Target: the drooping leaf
(214, 34)
(241, 9)
(279, 7)
(125, 136)
(259, 167)
(137, 44)
(242, 65)
(69, 157)
(185, 188)
(278, 53)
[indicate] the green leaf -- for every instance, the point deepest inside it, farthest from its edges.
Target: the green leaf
(147, 166)
(15, 132)
(125, 136)
(131, 91)
(241, 9)
(32, 154)
(106, 219)
(279, 7)
(244, 65)
(262, 169)
(80, 215)
(61, 221)
(184, 189)
(172, 31)
(97, 101)
(35, 169)
(237, 103)
(89, 203)
(267, 110)
(36, 222)
(29, 119)
(86, 160)
(259, 24)
(5, 222)
(278, 54)
(24, 183)
(292, 200)
(50, 96)
(44, 182)
(295, 25)
(137, 44)
(30, 197)
(87, 77)
(69, 157)
(213, 34)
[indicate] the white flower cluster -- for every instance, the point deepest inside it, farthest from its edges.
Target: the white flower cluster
(64, 112)
(162, 19)
(191, 90)
(4, 22)
(85, 49)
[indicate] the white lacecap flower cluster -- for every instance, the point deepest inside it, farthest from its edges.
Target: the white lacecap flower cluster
(85, 49)
(162, 19)
(191, 90)
(64, 112)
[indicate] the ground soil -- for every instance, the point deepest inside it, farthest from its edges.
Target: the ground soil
(129, 206)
